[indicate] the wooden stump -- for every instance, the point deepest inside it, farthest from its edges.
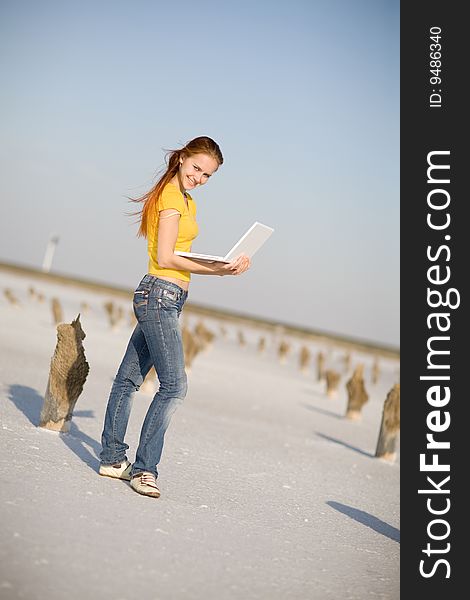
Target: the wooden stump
(109, 309)
(68, 372)
(357, 395)
(282, 351)
(332, 383)
(390, 426)
(115, 314)
(304, 359)
(205, 336)
(320, 366)
(149, 385)
(375, 372)
(119, 313)
(57, 313)
(132, 319)
(10, 296)
(191, 347)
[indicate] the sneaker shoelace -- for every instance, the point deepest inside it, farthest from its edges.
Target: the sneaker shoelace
(149, 479)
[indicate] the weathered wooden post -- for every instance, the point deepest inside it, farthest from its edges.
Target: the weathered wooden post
(261, 345)
(320, 366)
(332, 382)
(283, 350)
(57, 313)
(375, 372)
(149, 384)
(68, 372)
(119, 313)
(132, 319)
(191, 347)
(304, 359)
(205, 336)
(199, 335)
(241, 338)
(10, 296)
(109, 309)
(357, 395)
(115, 314)
(390, 426)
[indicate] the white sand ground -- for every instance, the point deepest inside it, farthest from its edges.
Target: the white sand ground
(267, 491)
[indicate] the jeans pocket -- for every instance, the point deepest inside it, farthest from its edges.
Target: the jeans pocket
(168, 299)
(140, 303)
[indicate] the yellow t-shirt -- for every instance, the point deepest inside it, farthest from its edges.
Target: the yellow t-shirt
(172, 197)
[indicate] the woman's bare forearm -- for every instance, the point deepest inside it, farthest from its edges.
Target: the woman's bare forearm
(180, 263)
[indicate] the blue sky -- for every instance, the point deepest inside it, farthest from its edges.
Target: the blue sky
(303, 98)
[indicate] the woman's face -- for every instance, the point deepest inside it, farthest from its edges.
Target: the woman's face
(196, 169)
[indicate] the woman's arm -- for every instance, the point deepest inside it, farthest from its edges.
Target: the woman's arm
(166, 257)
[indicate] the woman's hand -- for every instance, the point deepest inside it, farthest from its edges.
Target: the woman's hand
(238, 266)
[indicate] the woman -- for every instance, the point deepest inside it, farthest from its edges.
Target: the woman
(168, 221)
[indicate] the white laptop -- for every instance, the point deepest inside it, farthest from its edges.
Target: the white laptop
(248, 244)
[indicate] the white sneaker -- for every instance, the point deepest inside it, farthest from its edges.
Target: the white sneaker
(118, 471)
(146, 484)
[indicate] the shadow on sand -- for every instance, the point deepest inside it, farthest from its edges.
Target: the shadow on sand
(346, 445)
(322, 411)
(367, 519)
(29, 402)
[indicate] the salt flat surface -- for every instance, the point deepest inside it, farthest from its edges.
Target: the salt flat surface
(267, 491)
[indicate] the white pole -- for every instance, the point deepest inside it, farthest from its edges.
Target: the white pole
(49, 254)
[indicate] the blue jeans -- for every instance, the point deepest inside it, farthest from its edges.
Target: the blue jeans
(156, 341)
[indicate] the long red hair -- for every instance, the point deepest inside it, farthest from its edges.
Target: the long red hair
(199, 145)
